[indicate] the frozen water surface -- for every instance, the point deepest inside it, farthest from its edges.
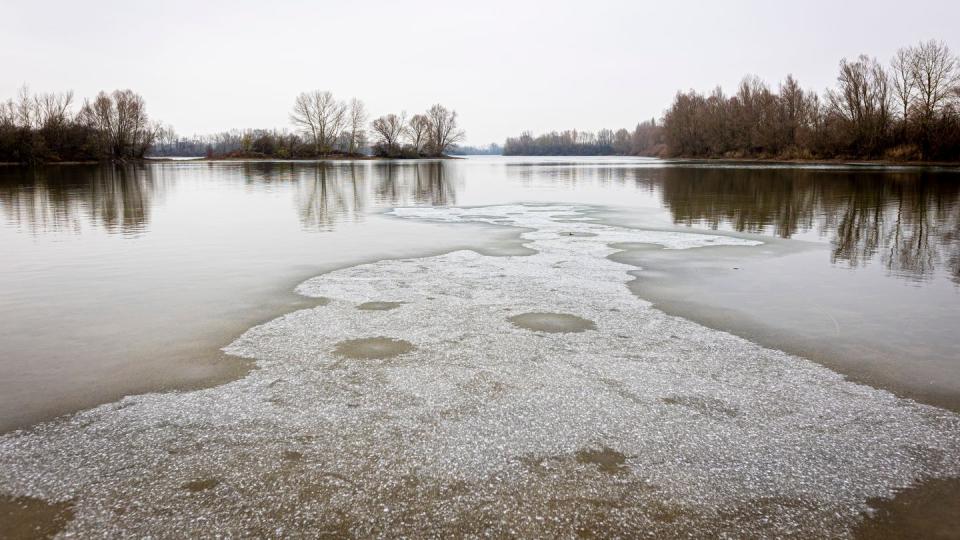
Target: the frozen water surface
(645, 425)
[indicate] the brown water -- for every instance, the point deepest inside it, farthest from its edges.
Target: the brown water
(118, 280)
(123, 280)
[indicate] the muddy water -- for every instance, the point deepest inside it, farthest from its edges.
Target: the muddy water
(118, 281)
(752, 427)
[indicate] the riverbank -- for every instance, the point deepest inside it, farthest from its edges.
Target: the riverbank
(813, 162)
(838, 162)
(182, 159)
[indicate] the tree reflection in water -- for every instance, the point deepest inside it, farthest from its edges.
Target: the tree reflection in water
(119, 198)
(909, 221)
(329, 193)
(59, 199)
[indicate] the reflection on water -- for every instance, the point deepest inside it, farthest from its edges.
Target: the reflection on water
(909, 221)
(113, 277)
(56, 199)
(119, 198)
(329, 193)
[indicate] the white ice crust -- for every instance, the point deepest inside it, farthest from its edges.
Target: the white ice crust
(485, 427)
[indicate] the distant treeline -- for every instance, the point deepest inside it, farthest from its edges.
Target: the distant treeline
(908, 111)
(44, 127)
(645, 139)
(492, 149)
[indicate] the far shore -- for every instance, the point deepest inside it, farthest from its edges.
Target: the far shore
(673, 160)
(767, 161)
(835, 162)
(195, 159)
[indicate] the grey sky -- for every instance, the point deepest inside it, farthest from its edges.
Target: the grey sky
(504, 66)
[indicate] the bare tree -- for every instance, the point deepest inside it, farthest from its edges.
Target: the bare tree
(8, 114)
(418, 132)
(444, 132)
(862, 100)
(936, 72)
(794, 113)
(121, 123)
(321, 118)
(358, 118)
(53, 109)
(902, 74)
(389, 130)
(25, 108)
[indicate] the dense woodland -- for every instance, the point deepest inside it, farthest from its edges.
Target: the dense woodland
(909, 110)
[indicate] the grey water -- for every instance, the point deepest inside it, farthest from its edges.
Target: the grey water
(117, 280)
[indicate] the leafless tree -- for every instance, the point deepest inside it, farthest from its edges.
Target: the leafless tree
(25, 108)
(358, 119)
(444, 132)
(418, 132)
(936, 73)
(389, 130)
(862, 100)
(53, 109)
(8, 114)
(902, 75)
(121, 123)
(321, 118)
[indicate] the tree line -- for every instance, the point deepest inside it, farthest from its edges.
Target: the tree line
(325, 127)
(644, 139)
(492, 149)
(908, 110)
(35, 128)
(46, 127)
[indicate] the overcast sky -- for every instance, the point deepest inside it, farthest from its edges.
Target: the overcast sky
(504, 66)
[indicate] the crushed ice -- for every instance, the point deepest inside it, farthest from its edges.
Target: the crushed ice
(648, 424)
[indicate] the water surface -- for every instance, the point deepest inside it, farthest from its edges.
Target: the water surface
(116, 280)
(492, 386)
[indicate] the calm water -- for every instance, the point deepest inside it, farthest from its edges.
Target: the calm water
(116, 280)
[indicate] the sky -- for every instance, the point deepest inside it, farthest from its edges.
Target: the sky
(505, 67)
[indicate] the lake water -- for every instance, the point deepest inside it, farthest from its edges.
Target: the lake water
(123, 280)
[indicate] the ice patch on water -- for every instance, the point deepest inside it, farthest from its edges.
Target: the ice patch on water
(646, 424)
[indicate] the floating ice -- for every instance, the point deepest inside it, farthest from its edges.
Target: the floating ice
(647, 424)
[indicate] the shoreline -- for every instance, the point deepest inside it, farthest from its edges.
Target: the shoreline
(200, 159)
(838, 162)
(834, 162)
